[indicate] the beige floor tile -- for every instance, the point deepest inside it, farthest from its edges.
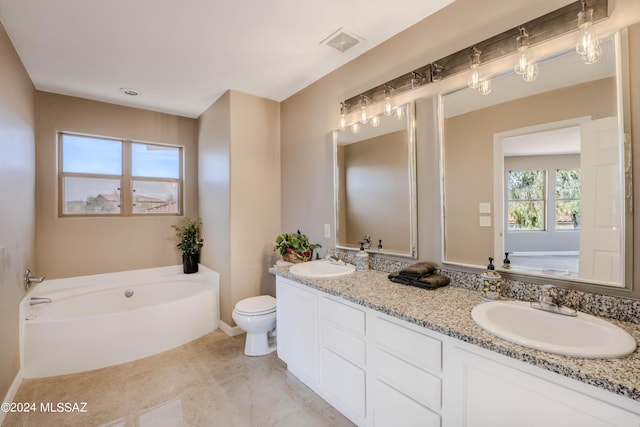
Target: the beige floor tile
(208, 382)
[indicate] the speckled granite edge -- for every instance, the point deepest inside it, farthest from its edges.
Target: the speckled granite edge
(612, 307)
(447, 311)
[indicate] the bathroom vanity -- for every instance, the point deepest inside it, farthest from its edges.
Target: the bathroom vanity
(386, 354)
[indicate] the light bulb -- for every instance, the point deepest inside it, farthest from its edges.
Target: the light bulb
(521, 63)
(587, 45)
(343, 122)
(388, 107)
(522, 44)
(474, 77)
(399, 112)
(484, 87)
(355, 128)
(364, 118)
(592, 55)
(375, 121)
(531, 71)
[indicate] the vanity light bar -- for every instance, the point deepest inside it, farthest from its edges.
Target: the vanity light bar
(541, 29)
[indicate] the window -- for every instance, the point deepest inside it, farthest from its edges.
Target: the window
(103, 176)
(526, 200)
(568, 199)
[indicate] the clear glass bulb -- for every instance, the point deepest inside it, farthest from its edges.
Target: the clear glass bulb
(375, 121)
(484, 87)
(343, 121)
(531, 71)
(474, 78)
(399, 112)
(364, 118)
(355, 128)
(388, 107)
(521, 63)
(592, 55)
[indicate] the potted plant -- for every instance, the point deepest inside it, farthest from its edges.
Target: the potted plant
(189, 243)
(295, 247)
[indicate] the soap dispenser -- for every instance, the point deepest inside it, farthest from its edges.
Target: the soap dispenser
(491, 283)
(362, 259)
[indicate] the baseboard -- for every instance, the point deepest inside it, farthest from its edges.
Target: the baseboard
(231, 331)
(11, 393)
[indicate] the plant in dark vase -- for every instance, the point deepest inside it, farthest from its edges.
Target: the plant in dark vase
(295, 247)
(189, 243)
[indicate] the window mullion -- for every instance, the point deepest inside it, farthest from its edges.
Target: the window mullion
(126, 193)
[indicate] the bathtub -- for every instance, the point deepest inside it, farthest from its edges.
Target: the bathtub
(107, 319)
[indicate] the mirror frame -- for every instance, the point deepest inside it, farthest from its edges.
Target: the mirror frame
(410, 118)
(623, 102)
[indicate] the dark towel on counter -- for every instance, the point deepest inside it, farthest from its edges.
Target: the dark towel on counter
(431, 281)
(418, 270)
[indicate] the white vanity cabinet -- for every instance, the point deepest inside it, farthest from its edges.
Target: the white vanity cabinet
(297, 329)
(382, 371)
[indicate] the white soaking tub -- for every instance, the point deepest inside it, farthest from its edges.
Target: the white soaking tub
(108, 319)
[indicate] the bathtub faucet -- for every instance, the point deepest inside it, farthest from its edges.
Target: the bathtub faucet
(39, 300)
(28, 279)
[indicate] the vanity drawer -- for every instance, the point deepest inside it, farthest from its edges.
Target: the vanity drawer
(344, 316)
(392, 408)
(414, 347)
(343, 343)
(419, 385)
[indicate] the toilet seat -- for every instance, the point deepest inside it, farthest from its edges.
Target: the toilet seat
(256, 306)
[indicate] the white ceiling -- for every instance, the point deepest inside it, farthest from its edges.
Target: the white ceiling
(182, 55)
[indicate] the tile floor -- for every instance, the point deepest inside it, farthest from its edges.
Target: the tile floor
(208, 382)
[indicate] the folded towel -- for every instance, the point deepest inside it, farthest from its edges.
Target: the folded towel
(432, 281)
(418, 269)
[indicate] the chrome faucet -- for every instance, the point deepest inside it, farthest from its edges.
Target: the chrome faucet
(335, 260)
(39, 300)
(366, 242)
(28, 279)
(550, 300)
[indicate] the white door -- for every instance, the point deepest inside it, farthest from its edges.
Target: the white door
(600, 234)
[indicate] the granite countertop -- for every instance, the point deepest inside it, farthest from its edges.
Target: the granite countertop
(447, 310)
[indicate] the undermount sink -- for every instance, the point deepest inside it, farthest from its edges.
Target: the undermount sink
(321, 269)
(581, 336)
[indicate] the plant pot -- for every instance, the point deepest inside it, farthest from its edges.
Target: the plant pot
(190, 263)
(290, 256)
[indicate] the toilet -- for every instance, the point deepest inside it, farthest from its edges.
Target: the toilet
(257, 316)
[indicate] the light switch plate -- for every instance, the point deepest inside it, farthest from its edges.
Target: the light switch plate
(485, 221)
(327, 231)
(485, 208)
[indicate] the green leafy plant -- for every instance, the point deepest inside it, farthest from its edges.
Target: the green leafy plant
(188, 233)
(297, 245)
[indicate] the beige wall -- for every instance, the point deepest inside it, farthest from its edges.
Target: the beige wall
(78, 246)
(377, 191)
(239, 146)
(468, 157)
(17, 192)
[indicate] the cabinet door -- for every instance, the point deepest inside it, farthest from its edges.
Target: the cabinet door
(494, 394)
(297, 323)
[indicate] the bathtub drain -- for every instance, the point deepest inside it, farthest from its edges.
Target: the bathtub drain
(128, 293)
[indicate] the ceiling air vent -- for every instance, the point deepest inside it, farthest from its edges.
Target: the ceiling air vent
(341, 40)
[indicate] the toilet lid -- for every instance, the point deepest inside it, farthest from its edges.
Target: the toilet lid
(262, 304)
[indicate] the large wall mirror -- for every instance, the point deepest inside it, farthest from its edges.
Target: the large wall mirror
(375, 184)
(542, 170)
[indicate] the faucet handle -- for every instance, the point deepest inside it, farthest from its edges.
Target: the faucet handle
(545, 296)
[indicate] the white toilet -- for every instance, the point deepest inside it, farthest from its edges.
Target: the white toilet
(257, 316)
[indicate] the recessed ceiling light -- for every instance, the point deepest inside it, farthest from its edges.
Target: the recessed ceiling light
(129, 91)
